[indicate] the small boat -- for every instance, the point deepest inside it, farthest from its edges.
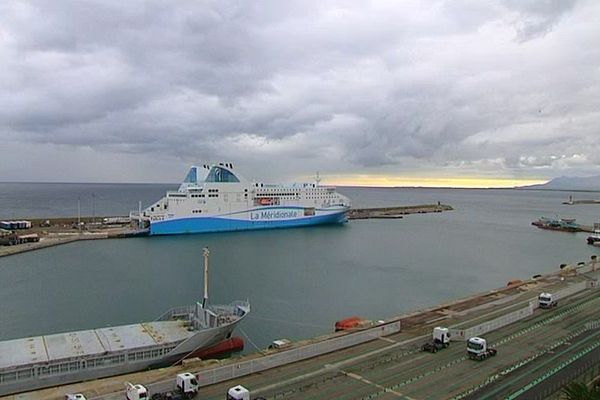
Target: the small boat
(351, 323)
(594, 238)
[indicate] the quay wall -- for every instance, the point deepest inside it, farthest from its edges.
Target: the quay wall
(494, 324)
(517, 315)
(568, 291)
(220, 374)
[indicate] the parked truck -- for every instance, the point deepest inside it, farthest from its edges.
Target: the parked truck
(187, 388)
(440, 340)
(76, 396)
(240, 393)
(135, 392)
(477, 349)
(546, 300)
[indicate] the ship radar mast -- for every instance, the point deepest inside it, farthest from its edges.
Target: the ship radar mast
(318, 179)
(205, 253)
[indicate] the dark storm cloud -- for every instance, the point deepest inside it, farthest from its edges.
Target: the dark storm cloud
(537, 17)
(507, 87)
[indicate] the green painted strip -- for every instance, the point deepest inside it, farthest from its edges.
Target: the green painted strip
(555, 316)
(524, 362)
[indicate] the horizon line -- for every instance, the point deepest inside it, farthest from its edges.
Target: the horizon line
(358, 185)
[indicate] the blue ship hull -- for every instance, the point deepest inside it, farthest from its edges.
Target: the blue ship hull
(225, 224)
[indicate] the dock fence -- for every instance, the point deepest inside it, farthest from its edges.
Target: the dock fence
(497, 323)
(568, 291)
(236, 370)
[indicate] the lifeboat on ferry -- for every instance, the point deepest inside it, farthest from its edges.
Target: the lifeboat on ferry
(265, 202)
(351, 323)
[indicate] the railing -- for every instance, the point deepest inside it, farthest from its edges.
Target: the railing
(175, 311)
(235, 370)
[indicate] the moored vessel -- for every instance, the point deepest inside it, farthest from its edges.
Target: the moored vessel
(555, 224)
(224, 201)
(50, 360)
(594, 238)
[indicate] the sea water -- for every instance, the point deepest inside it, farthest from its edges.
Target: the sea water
(299, 281)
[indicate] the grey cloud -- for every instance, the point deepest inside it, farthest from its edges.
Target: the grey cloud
(536, 18)
(340, 86)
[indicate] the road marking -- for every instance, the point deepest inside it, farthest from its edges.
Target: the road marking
(378, 386)
(387, 339)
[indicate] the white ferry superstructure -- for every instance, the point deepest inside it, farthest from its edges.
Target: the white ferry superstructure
(224, 201)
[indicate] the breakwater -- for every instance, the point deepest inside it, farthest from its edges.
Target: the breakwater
(56, 231)
(396, 212)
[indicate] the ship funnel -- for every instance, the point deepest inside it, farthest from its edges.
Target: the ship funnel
(205, 253)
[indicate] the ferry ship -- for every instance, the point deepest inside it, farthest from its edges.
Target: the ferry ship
(224, 201)
(57, 359)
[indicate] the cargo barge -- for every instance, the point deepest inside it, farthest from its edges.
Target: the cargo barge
(57, 359)
(563, 224)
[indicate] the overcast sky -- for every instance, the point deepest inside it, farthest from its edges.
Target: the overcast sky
(132, 91)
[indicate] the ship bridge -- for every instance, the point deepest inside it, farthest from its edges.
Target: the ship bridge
(221, 174)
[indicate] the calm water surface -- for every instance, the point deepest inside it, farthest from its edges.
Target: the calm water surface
(299, 281)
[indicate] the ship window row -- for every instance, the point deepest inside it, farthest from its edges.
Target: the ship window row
(213, 190)
(17, 375)
(264, 194)
(197, 195)
(213, 195)
(280, 192)
(177, 195)
(142, 355)
(76, 365)
(80, 364)
(196, 211)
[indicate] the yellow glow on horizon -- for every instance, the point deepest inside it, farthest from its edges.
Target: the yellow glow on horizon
(456, 182)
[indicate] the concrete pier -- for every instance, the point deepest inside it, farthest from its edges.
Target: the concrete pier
(396, 212)
(57, 231)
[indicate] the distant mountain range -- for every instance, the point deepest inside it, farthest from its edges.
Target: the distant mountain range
(588, 183)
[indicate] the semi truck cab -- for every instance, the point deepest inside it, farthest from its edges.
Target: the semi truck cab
(440, 339)
(477, 349)
(441, 335)
(546, 300)
(187, 384)
(476, 346)
(238, 393)
(136, 392)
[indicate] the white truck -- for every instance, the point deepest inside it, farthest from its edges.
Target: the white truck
(76, 396)
(440, 340)
(187, 384)
(477, 349)
(240, 393)
(187, 388)
(135, 392)
(546, 300)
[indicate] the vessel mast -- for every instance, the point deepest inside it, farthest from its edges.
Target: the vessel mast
(205, 253)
